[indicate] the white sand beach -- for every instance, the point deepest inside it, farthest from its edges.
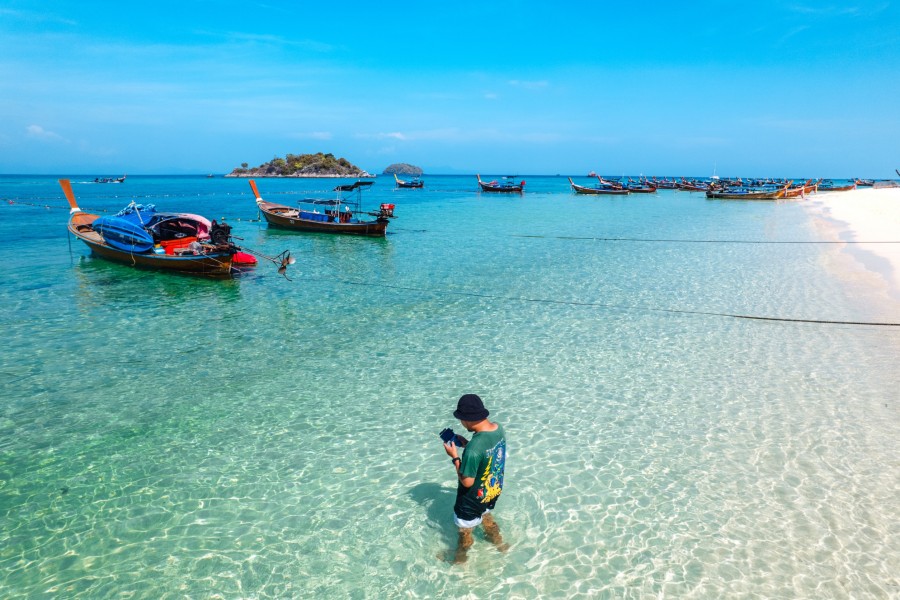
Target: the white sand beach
(865, 217)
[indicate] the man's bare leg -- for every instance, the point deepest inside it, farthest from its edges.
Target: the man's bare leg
(465, 542)
(492, 532)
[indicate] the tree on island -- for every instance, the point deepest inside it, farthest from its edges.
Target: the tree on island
(302, 165)
(403, 169)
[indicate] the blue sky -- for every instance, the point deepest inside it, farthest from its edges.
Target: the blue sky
(747, 88)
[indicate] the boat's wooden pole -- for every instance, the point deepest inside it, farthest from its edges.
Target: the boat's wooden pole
(255, 191)
(66, 186)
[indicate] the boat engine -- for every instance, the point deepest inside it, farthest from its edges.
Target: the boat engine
(387, 210)
(220, 233)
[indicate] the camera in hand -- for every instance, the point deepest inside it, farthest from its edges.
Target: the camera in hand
(448, 436)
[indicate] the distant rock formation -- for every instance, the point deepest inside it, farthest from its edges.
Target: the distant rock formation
(302, 165)
(403, 169)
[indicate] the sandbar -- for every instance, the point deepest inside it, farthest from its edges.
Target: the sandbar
(868, 221)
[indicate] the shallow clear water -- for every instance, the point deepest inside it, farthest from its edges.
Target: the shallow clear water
(166, 436)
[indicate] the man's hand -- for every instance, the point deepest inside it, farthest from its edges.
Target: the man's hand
(450, 449)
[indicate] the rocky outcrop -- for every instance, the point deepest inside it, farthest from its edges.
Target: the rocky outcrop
(302, 165)
(403, 169)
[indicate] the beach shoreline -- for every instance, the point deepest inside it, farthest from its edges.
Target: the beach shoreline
(868, 221)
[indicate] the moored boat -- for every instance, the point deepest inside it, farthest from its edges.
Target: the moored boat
(746, 194)
(800, 191)
(415, 182)
(505, 186)
(828, 186)
(332, 218)
(691, 185)
(597, 191)
(141, 237)
(640, 187)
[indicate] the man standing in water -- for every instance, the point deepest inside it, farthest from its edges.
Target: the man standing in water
(480, 474)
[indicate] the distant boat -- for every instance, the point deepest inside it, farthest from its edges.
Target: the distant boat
(501, 186)
(865, 182)
(640, 187)
(332, 218)
(597, 191)
(141, 237)
(665, 184)
(801, 190)
(746, 194)
(828, 186)
(110, 179)
(686, 185)
(413, 183)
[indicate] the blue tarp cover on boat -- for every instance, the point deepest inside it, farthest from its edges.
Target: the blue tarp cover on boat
(138, 214)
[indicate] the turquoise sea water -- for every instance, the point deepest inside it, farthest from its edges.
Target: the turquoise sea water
(164, 436)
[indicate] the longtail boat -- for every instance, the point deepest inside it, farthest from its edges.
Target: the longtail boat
(691, 186)
(508, 187)
(664, 184)
(800, 191)
(141, 237)
(865, 182)
(608, 183)
(746, 194)
(332, 218)
(597, 191)
(828, 186)
(413, 183)
(110, 179)
(640, 187)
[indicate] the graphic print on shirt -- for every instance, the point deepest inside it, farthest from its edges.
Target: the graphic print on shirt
(492, 478)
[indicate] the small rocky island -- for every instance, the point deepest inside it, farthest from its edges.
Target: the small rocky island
(302, 165)
(403, 169)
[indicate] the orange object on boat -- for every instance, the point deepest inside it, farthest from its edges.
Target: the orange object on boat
(170, 245)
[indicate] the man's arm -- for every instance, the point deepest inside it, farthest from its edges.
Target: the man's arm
(450, 449)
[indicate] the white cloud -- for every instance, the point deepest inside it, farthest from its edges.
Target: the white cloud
(383, 136)
(839, 11)
(39, 133)
(34, 17)
(529, 85)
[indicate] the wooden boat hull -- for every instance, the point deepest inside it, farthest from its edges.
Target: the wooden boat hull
(580, 189)
(287, 217)
(210, 264)
(500, 189)
(412, 184)
(773, 195)
(513, 189)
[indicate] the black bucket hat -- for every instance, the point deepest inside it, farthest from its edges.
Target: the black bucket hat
(470, 408)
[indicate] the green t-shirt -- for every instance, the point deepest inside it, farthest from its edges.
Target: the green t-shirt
(483, 458)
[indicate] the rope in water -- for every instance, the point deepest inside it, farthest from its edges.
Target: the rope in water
(600, 304)
(678, 241)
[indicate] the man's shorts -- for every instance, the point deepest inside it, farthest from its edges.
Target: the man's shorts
(470, 523)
